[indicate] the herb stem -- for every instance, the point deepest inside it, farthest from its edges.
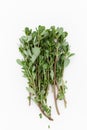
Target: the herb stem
(54, 88)
(29, 99)
(65, 102)
(39, 105)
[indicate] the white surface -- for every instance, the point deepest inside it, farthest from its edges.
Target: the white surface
(15, 113)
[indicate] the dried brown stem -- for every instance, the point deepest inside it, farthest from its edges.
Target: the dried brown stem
(55, 100)
(57, 85)
(44, 113)
(57, 89)
(54, 88)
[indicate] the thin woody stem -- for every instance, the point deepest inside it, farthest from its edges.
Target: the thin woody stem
(55, 100)
(57, 88)
(54, 88)
(65, 102)
(44, 113)
(57, 85)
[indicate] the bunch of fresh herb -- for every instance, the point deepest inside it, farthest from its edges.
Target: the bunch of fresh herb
(45, 55)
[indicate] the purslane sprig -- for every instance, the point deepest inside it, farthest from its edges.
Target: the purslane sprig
(45, 53)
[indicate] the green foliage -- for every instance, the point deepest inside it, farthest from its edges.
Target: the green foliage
(66, 62)
(36, 52)
(30, 90)
(40, 115)
(48, 126)
(45, 55)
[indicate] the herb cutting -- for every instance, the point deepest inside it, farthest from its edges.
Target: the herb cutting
(45, 53)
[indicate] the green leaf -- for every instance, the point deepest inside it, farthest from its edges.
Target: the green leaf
(71, 54)
(27, 32)
(25, 39)
(30, 90)
(65, 34)
(36, 52)
(60, 31)
(43, 33)
(40, 115)
(29, 52)
(19, 61)
(29, 38)
(41, 28)
(66, 62)
(61, 96)
(25, 52)
(48, 126)
(45, 66)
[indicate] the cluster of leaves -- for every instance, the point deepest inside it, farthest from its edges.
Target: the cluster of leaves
(45, 55)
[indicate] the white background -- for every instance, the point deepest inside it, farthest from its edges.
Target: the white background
(15, 113)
